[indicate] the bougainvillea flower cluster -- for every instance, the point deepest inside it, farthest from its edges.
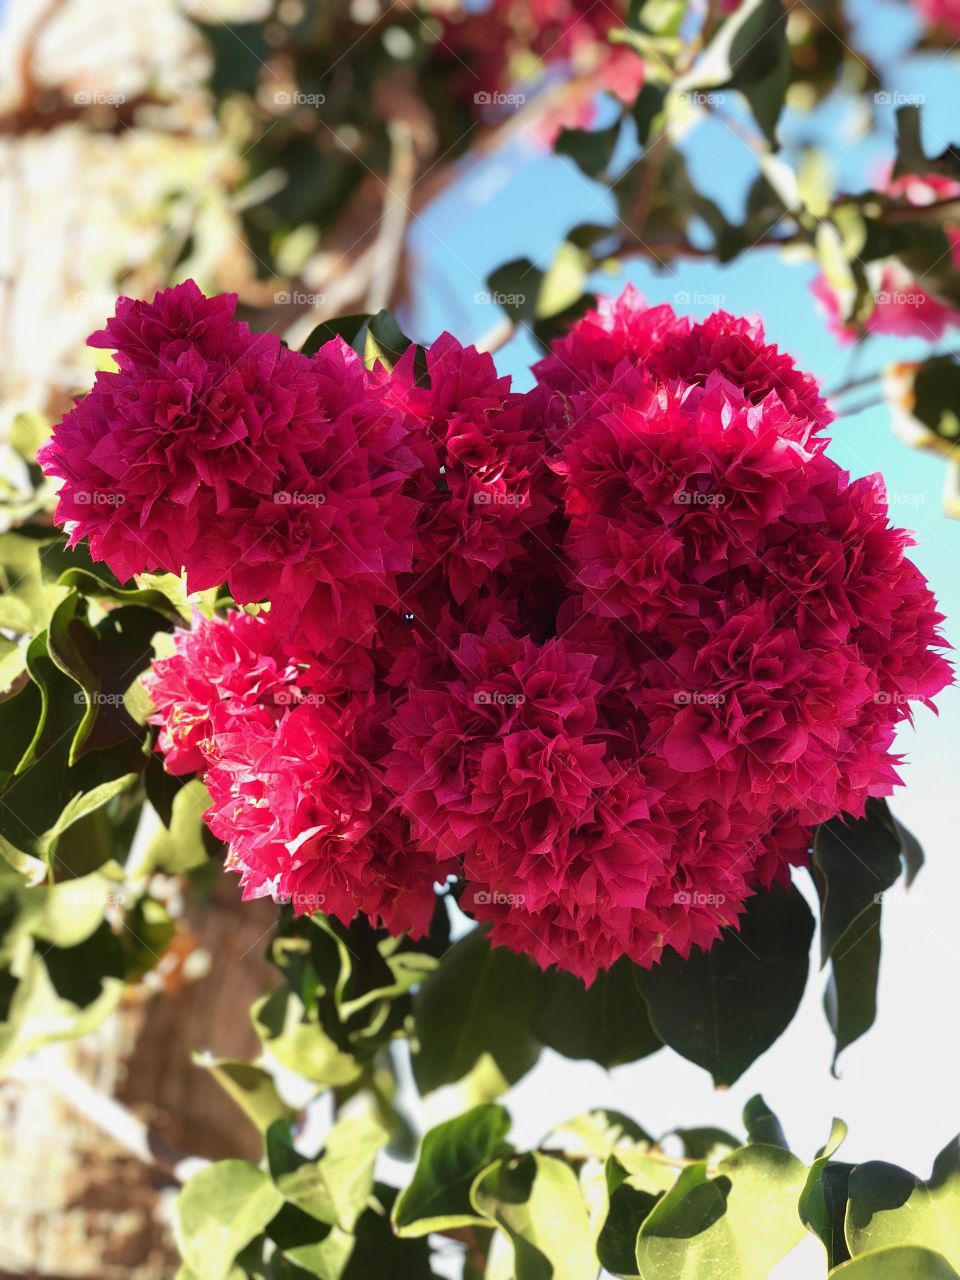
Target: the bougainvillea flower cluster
(497, 52)
(905, 304)
(595, 657)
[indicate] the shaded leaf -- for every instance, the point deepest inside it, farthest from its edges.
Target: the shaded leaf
(889, 1206)
(722, 1008)
(607, 1022)
(762, 1125)
(536, 1202)
(473, 1019)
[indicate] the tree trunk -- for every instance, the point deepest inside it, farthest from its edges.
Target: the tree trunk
(77, 1204)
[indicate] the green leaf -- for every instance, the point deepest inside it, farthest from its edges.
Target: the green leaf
(935, 402)
(472, 1018)
(451, 1157)
(827, 1209)
(600, 1133)
(706, 1142)
(96, 587)
(762, 1125)
(336, 1187)
(28, 432)
(73, 647)
(219, 1212)
(850, 999)
(375, 337)
(630, 1198)
(591, 150)
(749, 52)
(179, 846)
(854, 861)
(911, 850)
(722, 1008)
(60, 995)
(297, 1041)
(607, 1022)
(907, 1262)
(66, 914)
(373, 1252)
(736, 1226)
(536, 1202)
(888, 1206)
(26, 598)
(823, 1199)
(515, 286)
(251, 1088)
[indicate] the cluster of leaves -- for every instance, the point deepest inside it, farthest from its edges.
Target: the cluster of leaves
(598, 1192)
(79, 920)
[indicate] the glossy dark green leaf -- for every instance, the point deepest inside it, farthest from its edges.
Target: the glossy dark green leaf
(375, 337)
(473, 1019)
(607, 1022)
(850, 999)
(722, 1008)
(854, 862)
(762, 1125)
(628, 1204)
(823, 1201)
(749, 53)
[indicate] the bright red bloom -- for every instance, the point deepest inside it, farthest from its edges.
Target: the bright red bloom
(603, 652)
